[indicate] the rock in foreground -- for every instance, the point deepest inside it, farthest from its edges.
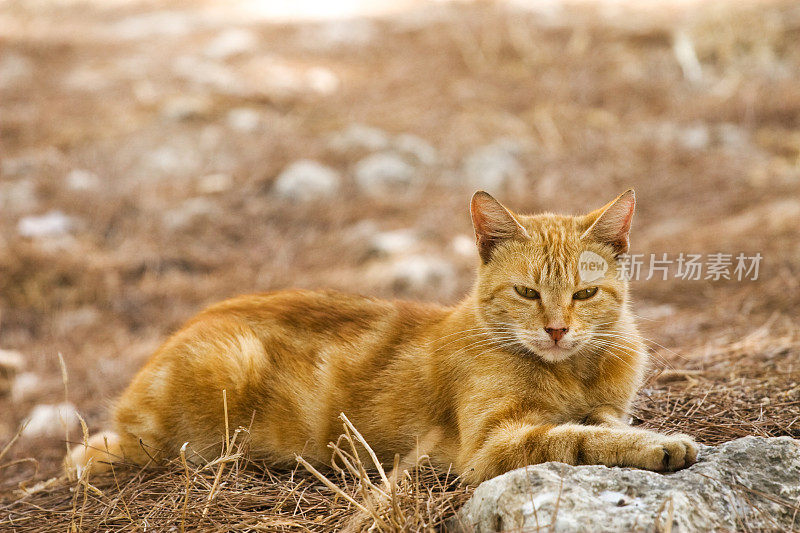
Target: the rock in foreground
(751, 483)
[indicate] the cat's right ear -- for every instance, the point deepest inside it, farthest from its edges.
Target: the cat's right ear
(493, 224)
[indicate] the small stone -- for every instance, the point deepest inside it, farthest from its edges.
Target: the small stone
(307, 180)
(82, 180)
(51, 420)
(337, 33)
(383, 173)
(214, 183)
(418, 273)
(186, 107)
(733, 136)
(231, 42)
(416, 147)
(493, 167)
(15, 70)
(17, 196)
(393, 242)
(172, 159)
(322, 80)
(695, 137)
(243, 119)
(52, 224)
(25, 386)
(464, 245)
(359, 137)
(188, 213)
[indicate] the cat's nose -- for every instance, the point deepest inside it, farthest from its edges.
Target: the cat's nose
(556, 333)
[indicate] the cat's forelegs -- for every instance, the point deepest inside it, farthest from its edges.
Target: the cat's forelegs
(517, 444)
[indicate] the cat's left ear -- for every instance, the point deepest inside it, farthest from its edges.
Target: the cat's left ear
(493, 224)
(611, 224)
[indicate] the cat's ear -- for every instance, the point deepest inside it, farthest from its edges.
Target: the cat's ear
(611, 224)
(493, 224)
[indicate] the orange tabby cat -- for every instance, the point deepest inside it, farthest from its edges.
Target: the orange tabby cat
(534, 365)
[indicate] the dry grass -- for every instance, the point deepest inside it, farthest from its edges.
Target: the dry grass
(234, 492)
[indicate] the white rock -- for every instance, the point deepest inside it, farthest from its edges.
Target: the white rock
(416, 273)
(51, 420)
(11, 359)
(393, 242)
(383, 173)
(657, 312)
(745, 484)
(15, 70)
(307, 180)
(25, 386)
(52, 224)
(464, 245)
(18, 196)
(214, 183)
(322, 80)
(733, 136)
(359, 137)
(153, 24)
(337, 33)
(209, 73)
(416, 147)
(177, 159)
(186, 107)
(695, 137)
(243, 119)
(231, 42)
(69, 320)
(82, 180)
(493, 167)
(188, 213)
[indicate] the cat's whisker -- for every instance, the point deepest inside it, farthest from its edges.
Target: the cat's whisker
(647, 340)
(608, 350)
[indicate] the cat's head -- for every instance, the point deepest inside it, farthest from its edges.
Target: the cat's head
(547, 283)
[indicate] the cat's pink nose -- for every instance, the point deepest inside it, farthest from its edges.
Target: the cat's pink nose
(556, 333)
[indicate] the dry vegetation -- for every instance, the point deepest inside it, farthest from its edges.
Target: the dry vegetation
(594, 100)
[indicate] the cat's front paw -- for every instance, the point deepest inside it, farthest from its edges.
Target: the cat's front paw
(666, 453)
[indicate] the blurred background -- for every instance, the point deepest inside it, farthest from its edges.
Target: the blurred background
(156, 157)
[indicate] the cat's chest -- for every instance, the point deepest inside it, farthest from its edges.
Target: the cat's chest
(567, 396)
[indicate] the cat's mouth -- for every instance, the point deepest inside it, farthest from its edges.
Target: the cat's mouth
(547, 350)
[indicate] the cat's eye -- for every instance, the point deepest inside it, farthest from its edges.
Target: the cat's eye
(585, 294)
(527, 292)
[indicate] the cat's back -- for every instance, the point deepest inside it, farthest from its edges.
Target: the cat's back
(326, 313)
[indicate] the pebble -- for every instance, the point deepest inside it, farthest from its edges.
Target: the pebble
(48, 420)
(25, 386)
(419, 273)
(359, 137)
(493, 167)
(231, 42)
(243, 119)
(214, 183)
(306, 180)
(82, 180)
(393, 242)
(417, 147)
(52, 224)
(383, 173)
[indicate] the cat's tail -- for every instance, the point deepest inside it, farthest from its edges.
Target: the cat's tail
(97, 453)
